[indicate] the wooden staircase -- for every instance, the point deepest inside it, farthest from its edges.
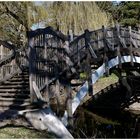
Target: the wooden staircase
(14, 95)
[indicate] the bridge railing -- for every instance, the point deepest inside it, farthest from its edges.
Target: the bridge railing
(46, 51)
(8, 64)
(49, 54)
(106, 39)
(114, 35)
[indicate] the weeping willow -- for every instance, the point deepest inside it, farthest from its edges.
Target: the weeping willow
(36, 14)
(77, 16)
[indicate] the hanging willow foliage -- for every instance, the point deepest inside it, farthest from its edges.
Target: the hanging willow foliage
(77, 16)
(17, 17)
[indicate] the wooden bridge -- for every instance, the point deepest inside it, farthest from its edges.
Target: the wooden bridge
(39, 78)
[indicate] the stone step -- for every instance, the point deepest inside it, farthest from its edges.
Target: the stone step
(14, 104)
(15, 95)
(14, 90)
(18, 79)
(12, 100)
(14, 86)
(15, 83)
(15, 108)
(20, 74)
(24, 75)
(25, 95)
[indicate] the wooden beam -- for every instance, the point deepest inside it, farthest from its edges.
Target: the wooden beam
(118, 47)
(70, 35)
(31, 69)
(131, 54)
(105, 59)
(69, 104)
(93, 54)
(37, 92)
(46, 91)
(57, 94)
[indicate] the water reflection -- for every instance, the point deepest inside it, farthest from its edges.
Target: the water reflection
(105, 124)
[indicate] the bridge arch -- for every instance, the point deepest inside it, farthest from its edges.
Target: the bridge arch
(112, 63)
(97, 74)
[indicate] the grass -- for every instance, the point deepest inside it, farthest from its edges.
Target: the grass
(11, 132)
(102, 83)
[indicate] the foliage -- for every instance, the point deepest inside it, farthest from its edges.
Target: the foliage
(130, 13)
(13, 20)
(36, 13)
(83, 75)
(77, 16)
(112, 8)
(16, 19)
(11, 132)
(126, 13)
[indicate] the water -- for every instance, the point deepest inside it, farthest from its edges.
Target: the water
(103, 116)
(105, 124)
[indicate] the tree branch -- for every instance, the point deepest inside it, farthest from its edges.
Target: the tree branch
(16, 17)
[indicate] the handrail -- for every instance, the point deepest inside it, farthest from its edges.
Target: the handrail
(76, 40)
(10, 76)
(47, 30)
(7, 45)
(105, 39)
(14, 68)
(9, 57)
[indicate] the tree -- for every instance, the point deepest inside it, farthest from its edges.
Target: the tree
(77, 16)
(125, 13)
(18, 17)
(13, 19)
(130, 13)
(16, 20)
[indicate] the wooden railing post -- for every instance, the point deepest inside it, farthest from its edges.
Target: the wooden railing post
(131, 54)
(139, 28)
(31, 68)
(57, 94)
(69, 103)
(88, 67)
(2, 72)
(46, 92)
(105, 51)
(118, 47)
(70, 33)
(87, 37)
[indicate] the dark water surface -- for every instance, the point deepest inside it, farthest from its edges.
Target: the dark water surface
(105, 123)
